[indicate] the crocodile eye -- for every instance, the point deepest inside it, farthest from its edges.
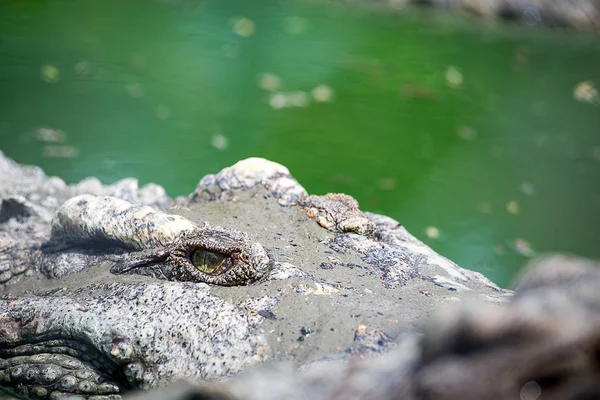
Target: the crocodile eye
(206, 261)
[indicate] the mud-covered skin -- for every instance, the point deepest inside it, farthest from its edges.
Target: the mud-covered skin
(155, 331)
(87, 230)
(169, 240)
(545, 341)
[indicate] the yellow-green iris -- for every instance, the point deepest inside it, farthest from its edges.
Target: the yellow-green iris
(206, 261)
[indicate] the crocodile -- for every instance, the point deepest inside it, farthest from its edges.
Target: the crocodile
(109, 289)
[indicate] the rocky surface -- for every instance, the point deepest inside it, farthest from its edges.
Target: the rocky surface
(577, 14)
(342, 285)
(582, 15)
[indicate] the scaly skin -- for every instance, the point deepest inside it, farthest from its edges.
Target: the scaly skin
(545, 341)
(81, 312)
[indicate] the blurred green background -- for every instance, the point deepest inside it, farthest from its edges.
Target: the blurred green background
(482, 138)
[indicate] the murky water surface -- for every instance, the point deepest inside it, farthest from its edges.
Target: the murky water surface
(483, 140)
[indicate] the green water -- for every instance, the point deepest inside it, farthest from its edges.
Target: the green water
(468, 133)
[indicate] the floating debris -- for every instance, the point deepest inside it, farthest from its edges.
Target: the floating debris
(454, 78)
(50, 135)
(432, 232)
(219, 142)
(596, 153)
(527, 188)
(269, 82)
(586, 92)
(135, 90)
(296, 25)
(322, 93)
(82, 68)
(56, 151)
(512, 207)
(298, 98)
(289, 99)
(50, 73)
(243, 26)
(466, 133)
(277, 101)
(523, 247)
(163, 112)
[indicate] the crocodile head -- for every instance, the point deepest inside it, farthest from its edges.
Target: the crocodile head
(106, 293)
